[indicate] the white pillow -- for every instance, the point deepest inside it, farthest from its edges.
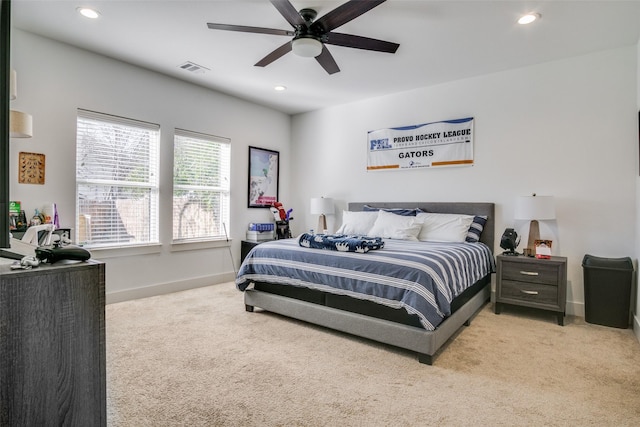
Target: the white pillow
(392, 226)
(358, 223)
(437, 227)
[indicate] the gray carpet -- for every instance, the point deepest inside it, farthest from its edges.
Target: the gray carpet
(196, 358)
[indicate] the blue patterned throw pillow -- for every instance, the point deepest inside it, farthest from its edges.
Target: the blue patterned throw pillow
(475, 230)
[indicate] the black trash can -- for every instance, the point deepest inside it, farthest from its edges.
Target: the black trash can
(607, 290)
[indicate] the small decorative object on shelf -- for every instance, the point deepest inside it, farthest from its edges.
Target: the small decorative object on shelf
(509, 241)
(543, 249)
(261, 231)
(282, 218)
(282, 230)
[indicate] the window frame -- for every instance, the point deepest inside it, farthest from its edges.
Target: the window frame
(224, 174)
(151, 185)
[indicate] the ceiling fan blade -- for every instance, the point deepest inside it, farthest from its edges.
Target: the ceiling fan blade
(289, 12)
(278, 53)
(246, 29)
(344, 13)
(359, 42)
(326, 60)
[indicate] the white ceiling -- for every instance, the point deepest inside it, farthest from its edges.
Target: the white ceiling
(440, 41)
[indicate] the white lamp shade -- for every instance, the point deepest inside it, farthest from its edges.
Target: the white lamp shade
(535, 208)
(307, 47)
(20, 124)
(322, 206)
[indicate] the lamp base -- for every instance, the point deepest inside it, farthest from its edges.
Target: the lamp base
(534, 234)
(322, 223)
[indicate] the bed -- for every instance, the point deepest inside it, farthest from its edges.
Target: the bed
(268, 277)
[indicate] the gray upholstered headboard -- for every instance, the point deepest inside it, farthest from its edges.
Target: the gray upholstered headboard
(469, 208)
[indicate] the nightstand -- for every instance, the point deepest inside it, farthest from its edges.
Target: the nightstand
(247, 245)
(532, 282)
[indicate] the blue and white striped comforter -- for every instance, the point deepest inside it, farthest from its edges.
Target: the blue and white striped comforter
(421, 277)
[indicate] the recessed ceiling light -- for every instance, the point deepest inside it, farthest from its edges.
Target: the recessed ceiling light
(529, 18)
(279, 88)
(88, 12)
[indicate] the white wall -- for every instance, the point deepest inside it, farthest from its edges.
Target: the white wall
(55, 79)
(566, 128)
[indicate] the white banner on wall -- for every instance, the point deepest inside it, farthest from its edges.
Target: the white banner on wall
(446, 143)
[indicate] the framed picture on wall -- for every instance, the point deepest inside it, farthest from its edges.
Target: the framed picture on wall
(264, 173)
(31, 168)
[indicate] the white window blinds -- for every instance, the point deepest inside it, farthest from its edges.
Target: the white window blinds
(116, 180)
(201, 183)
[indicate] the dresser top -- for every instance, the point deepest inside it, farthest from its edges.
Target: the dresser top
(524, 259)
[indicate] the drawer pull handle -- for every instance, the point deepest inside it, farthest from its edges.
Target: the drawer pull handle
(529, 273)
(529, 292)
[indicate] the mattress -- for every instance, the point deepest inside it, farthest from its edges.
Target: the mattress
(416, 283)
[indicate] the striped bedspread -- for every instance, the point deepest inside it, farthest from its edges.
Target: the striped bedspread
(421, 277)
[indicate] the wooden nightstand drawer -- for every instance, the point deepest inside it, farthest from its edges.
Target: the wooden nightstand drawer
(532, 282)
(531, 292)
(534, 273)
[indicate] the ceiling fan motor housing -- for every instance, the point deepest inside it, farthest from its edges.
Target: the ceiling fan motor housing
(308, 14)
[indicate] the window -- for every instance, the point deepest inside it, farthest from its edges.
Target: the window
(116, 180)
(201, 183)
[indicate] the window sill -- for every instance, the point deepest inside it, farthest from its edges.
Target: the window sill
(101, 253)
(192, 245)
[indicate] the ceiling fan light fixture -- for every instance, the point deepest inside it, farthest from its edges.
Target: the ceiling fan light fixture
(307, 47)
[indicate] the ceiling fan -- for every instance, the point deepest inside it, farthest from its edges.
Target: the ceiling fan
(310, 37)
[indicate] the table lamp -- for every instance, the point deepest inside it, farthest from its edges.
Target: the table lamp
(534, 208)
(322, 206)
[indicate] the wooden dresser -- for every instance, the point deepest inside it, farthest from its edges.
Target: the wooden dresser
(52, 345)
(532, 282)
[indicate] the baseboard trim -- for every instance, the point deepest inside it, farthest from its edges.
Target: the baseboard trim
(168, 287)
(575, 309)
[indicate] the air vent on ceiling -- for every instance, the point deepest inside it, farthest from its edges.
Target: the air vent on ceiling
(193, 67)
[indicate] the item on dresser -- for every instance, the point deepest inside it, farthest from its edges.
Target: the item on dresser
(368, 295)
(261, 226)
(55, 254)
(543, 249)
(282, 230)
(26, 263)
(260, 235)
(18, 222)
(261, 231)
(509, 242)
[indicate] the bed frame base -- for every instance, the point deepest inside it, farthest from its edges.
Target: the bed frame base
(425, 343)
